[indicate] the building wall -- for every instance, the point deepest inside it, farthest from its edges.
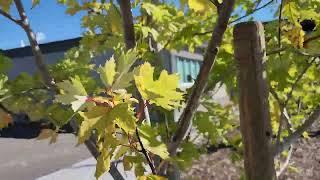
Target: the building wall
(169, 61)
(27, 64)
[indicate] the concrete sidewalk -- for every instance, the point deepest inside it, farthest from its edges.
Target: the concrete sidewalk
(84, 170)
(28, 159)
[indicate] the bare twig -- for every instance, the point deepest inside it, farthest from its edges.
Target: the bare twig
(279, 24)
(294, 85)
(279, 53)
(48, 80)
(315, 116)
(286, 163)
(238, 19)
(217, 4)
(17, 21)
(201, 81)
(276, 51)
(253, 11)
(125, 8)
(283, 116)
(145, 153)
(297, 51)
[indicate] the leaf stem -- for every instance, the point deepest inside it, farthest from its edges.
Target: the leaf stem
(145, 153)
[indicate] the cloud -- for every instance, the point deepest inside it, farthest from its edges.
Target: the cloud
(40, 36)
(22, 43)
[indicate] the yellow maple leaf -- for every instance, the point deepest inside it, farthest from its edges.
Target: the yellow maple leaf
(103, 164)
(162, 92)
(200, 5)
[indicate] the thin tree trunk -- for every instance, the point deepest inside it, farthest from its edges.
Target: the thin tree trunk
(185, 119)
(49, 81)
(130, 41)
(127, 18)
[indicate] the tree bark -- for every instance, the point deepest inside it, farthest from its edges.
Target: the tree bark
(125, 8)
(249, 44)
(315, 116)
(130, 41)
(49, 81)
(201, 81)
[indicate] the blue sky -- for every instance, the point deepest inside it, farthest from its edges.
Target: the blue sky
(50, 23)
(48, 20)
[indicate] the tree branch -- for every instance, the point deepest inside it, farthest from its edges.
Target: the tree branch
(289, 96)
(279, 24)
(48, 80)
(294, 85)
(92, 147)
(315, 116)
(145, 153)
(299, 52)
(286, 163)
(128, 26)
(217, 4)
(238, 19)
(125, 8)
(276, 51)
(253, 11)
(201, 81)
(18, 22)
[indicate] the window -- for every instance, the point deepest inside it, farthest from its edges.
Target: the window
(188, 69)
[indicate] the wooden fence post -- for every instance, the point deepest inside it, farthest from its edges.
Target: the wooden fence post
(250, 54)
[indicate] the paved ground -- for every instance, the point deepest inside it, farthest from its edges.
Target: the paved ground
(85, 170)
(28, 159)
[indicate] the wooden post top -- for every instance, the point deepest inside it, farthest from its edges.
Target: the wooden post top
(249, 41)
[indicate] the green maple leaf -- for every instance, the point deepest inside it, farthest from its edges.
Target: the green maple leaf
(103, 163)
(92, 119)
(162, 92)
(72, 92)
(58, 115)
(124, 63)
(124, 117)
(148, 137)
(108, 72)
(100, 118)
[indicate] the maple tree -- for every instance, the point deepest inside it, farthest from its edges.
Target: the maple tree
(113, 111)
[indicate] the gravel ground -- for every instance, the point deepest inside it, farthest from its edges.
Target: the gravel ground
(304, 165)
